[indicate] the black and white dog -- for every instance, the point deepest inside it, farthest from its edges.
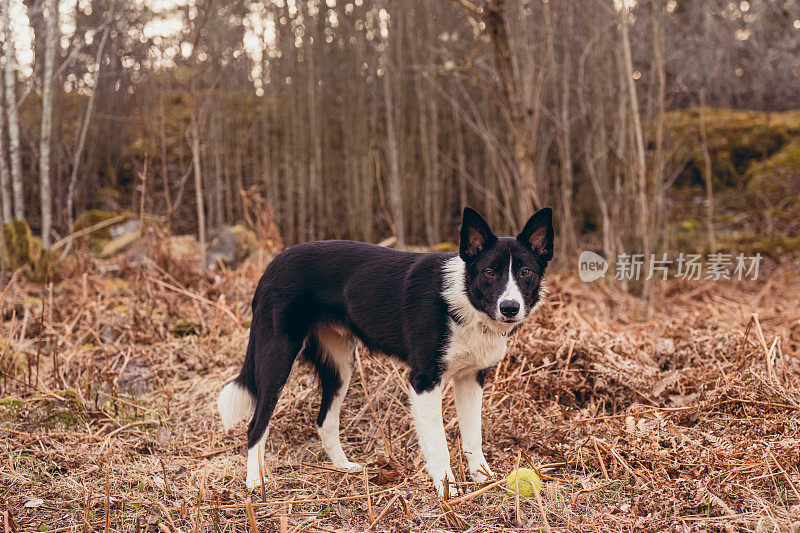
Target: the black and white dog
(447, 315)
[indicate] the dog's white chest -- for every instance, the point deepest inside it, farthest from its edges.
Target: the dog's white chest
(473, 347)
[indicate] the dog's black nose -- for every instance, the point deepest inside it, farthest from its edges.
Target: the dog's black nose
(509, 308)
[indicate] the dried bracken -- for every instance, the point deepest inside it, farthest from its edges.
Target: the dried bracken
(685, 419)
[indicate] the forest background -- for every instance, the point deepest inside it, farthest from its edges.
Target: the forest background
(651, 125)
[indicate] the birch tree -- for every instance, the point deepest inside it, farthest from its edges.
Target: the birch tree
(392, 148)
(51, 42)
(5, 177)
(198, 187)
(13, 115)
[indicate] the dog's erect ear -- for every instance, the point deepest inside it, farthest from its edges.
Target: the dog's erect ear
(475, 235)
(538, 233)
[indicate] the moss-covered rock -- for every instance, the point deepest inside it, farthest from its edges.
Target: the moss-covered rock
(97, 239)
(736, 141)
(91, 217)
(775, 244)
(11, 408)
(119, 244)
(755, 167)
(777, 176)
(182, 328)
(68, 413)
(20, 247)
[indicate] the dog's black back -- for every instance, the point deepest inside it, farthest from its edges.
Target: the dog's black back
(339, 283)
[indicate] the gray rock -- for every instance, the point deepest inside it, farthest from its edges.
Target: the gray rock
(230, 247)
(123, 228)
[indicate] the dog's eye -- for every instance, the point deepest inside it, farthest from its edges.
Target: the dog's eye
(525, 272)
(489, 272)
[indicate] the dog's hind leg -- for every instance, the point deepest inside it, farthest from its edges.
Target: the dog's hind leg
(273, 363)
(332, 352)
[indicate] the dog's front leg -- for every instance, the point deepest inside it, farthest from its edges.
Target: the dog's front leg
(426, 407)
(468, 395)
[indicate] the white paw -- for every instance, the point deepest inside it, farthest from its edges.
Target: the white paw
(439, 483)
(481, 473)
(349, 466)
(252, 482)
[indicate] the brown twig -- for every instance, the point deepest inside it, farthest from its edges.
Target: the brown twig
(108, 502)
(224, 308)
(261, 471)
(168, 515)
(285, 503)
(200, 492)
(542, 509)
(517, 516)
(785, 475)
(369, 499)
(476, 493)
(251, 516)
(91, 229)
(127, 426)
(599, 458)
(383, 513)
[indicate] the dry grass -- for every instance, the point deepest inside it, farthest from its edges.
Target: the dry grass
(686, 420)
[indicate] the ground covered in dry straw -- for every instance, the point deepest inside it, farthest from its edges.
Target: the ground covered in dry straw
(682, 420)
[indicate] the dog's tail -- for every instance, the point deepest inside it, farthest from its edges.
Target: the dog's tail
(235, 403)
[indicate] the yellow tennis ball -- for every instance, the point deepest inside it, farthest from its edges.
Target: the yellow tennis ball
(529, 482)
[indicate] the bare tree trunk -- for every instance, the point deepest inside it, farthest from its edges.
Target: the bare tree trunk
(461, 160)
(218, 212)
(290, 178)
(564, 140)
(708, 174)
(164, 173)
(436, 218)
(5, 176)
(428, 176)
(267, 169)
(641, 169)
(87, 118)
(300, 162)
(198, 190)
(236, 186)
(315, 129)
(274, 150)
(601, 189)
(528, 195)
(601, 192)
(395, 191)
(567, 178)
(13, 116)
(659, 163)
(51, 42)
(370, 170)
(708, 171)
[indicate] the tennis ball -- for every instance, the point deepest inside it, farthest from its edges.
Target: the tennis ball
(529, 482)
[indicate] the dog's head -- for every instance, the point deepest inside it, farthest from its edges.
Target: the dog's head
(504, 274)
